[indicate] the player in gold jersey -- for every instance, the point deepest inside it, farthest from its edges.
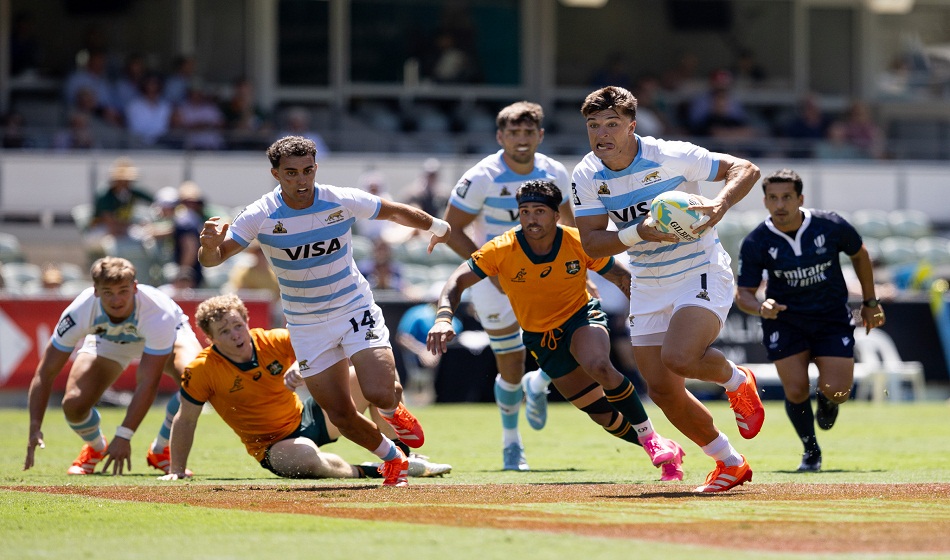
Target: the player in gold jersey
(247, 375)
(543, 268)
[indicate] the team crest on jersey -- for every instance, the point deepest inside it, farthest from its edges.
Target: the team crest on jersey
(573, 267)
(651, 178)
(64, 325)
(603, 189)
(493, 317)
(186, 377)
(370, 335)
(130, 330)
(773, 252)
(279, 228)
(520, 277)
(461, 188)
(303, 365)
(504, 192)
(335, 217)
(275, 368)
(238, 385)
(99, 331)
(820, 244)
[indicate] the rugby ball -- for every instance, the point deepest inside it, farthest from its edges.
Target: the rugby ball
(670, 210)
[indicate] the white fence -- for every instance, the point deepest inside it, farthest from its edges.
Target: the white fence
(46, 183)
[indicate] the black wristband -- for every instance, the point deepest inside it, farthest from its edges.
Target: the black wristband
(872, 303)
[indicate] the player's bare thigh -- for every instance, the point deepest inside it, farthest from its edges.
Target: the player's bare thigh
(376, 373)
(692, 331)
(793, 372)
(835, 377)
(88, 379)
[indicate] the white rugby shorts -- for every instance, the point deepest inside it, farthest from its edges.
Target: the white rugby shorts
(652, 305)
(320, 345)
(492, 307)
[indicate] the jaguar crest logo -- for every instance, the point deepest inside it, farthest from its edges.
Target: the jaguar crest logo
(651, 177)
(279, 228)
(303, 365)
(573, 267)
(335, 217)
(603, 189)
(504, 192)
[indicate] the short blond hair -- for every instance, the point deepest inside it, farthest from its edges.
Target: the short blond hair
(108, 271)
(215, 308)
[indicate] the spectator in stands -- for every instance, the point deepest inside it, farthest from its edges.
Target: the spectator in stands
(129, 83)
(382, 272)
(862, 131)
(114, 207)
(373, 182)
(718, 100)
(809, 125)
(182, 285)
(427, 192)
(52, 279)
(105, 125)
(148, 117)
(92, 73)
(247, 124)
(199, 120)
(721, 120)
(653, 118)
(78, 135)
(297, 123)
(836, 144)
(189, 219)
(161, 227)
(452, 63)
(180, 79)
(747, 70)
(805, 314)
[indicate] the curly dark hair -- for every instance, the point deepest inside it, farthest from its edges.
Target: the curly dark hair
(290, 146)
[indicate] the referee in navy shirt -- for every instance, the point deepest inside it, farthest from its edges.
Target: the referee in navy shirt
(805, 315)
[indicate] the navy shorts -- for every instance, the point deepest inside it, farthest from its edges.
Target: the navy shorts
(791, 335)
(552, 350)
(313, 426)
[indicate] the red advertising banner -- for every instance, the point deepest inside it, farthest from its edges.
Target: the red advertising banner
(26, 326)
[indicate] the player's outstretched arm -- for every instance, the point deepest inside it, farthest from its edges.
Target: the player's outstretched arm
(41, 386)
(182, 438)
(740, 176)
(215, 247)
(442, 331)
(147, 376)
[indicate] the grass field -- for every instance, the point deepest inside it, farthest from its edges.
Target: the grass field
(871, 444)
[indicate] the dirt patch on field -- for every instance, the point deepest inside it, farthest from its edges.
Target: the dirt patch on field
(471, 506)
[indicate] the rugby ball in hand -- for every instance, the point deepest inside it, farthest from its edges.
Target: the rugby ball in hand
(670, 210)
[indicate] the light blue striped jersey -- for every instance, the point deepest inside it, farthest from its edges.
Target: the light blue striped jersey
(154, 320)
(311, 251)
(625, 197)
(488, 190)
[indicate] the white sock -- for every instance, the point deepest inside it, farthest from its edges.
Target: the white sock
(644, 430)
(538, 382)
(737, 379)
(721, 450)
(159, 444)
(509, 436)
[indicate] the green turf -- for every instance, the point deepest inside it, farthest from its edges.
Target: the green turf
(891, 443)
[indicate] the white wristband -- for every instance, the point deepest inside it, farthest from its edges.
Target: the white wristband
(124, 433)
(629, 236)
(439, 227)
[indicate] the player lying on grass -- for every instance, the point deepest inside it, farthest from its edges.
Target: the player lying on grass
(248, 375)
(543, 270)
